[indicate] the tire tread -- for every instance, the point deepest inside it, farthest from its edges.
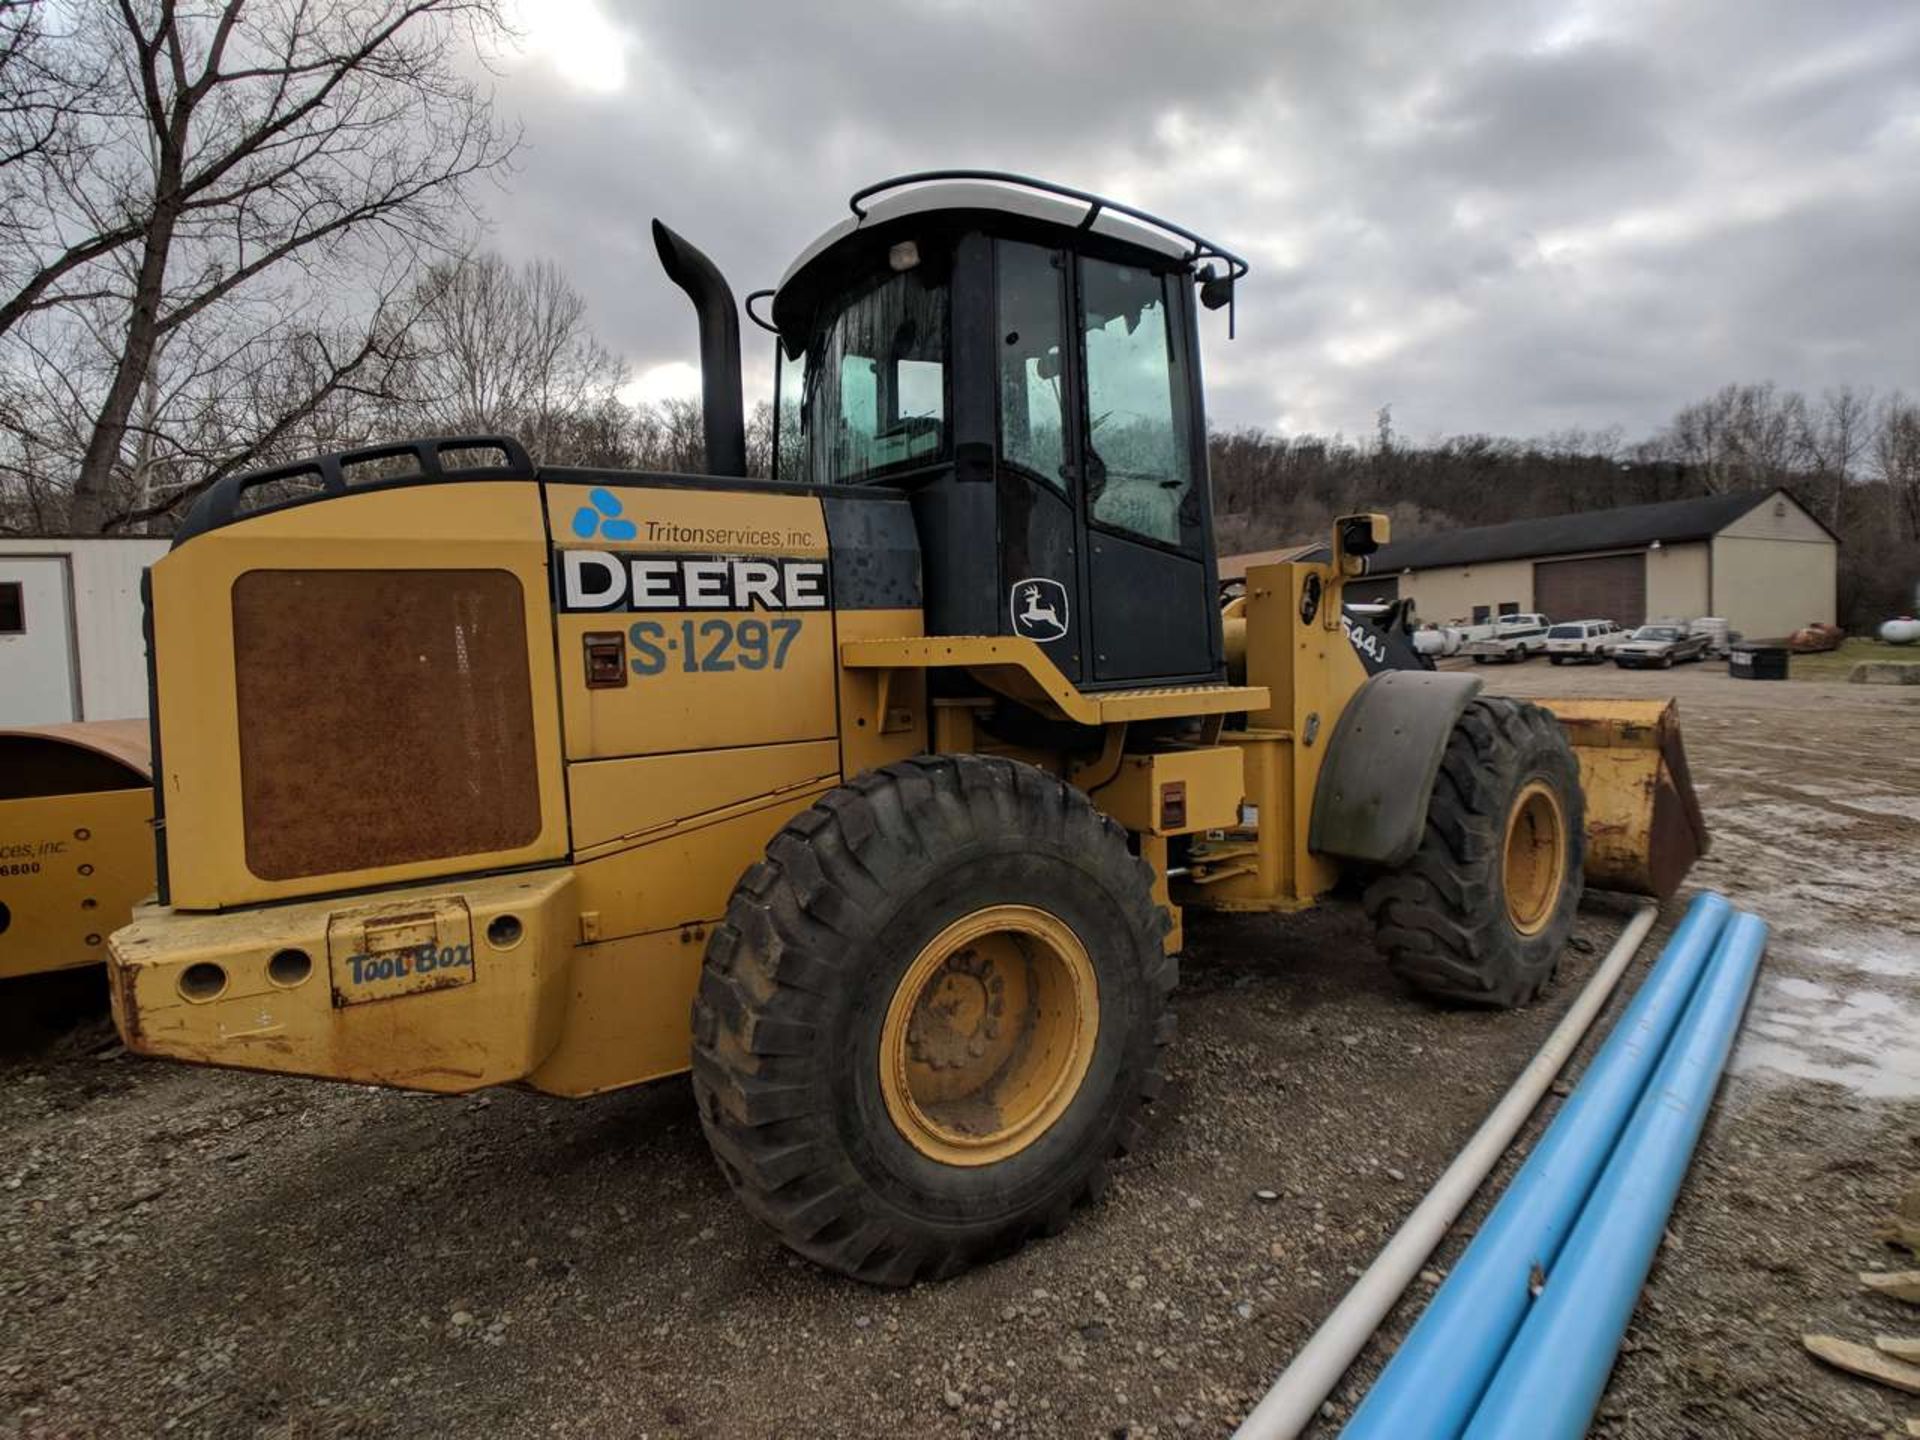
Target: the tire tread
(1441, 917)
(785, 945)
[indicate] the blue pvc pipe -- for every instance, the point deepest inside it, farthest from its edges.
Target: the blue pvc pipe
(1551, 1381)
(1435, 1380)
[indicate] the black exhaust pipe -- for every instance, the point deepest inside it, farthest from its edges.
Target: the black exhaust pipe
(720, 409)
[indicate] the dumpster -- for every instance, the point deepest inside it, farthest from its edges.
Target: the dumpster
(1758, 662)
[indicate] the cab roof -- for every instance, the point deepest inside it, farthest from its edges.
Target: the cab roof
(999, 197)
(993, 192)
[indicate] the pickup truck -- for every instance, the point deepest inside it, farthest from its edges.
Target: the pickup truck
(1661, 647)
(1514, 638)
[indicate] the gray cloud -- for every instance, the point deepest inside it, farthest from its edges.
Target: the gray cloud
(1506, 217)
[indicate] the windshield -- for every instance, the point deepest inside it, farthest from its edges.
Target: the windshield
(874, 396)
(1656, 632)
(1564, 632)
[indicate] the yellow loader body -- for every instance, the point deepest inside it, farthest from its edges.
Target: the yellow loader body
(1644, 829)
(482, 758)
(76, 850)
(520, 862)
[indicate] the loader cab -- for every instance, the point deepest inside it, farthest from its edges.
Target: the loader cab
(1022, 361)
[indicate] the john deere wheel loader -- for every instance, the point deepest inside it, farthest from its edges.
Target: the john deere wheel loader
(894, 774)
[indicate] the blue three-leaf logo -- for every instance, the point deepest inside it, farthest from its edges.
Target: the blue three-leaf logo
(602, 517)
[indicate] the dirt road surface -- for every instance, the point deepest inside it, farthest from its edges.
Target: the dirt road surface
(195, 1253)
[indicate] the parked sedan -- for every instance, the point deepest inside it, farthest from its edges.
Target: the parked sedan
(1659, 647)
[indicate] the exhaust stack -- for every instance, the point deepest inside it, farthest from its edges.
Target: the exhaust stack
(720, 407)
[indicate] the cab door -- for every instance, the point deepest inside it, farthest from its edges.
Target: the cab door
(1152, 608)
(1042, 584)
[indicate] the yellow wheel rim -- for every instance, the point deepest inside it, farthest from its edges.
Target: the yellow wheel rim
(1536, 857)
(989, 1035)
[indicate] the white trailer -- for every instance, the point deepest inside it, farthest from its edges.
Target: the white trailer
(70, 641)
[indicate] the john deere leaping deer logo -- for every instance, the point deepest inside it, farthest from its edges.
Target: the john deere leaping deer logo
(1039, 609)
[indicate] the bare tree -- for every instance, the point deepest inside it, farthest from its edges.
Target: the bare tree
(504, 349)
(1839, 430)
(1698, 439)
(267, 165)
(668, 436)
(1742, 436)
(1896, 458)
(760, 441)
(52, 88)
(289, 391)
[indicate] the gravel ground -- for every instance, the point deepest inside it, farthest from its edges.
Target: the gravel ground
(198, 1253)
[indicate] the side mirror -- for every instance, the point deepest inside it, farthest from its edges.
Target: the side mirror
(1357, 536)
(1354, 538)
(1216, 290)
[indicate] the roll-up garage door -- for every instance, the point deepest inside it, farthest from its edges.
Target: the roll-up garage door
(1605, 587)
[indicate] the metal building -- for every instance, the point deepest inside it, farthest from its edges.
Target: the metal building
(70, 641)
(1758, 558)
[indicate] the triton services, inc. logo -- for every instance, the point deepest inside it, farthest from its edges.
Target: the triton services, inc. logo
(602, 518)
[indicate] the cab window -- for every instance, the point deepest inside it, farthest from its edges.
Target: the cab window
(1030, 291)
(874, 399)
(1139, 462)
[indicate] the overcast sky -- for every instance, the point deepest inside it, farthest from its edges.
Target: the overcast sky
(1494, 216)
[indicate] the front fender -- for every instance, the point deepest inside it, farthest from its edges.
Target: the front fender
(1382, 759)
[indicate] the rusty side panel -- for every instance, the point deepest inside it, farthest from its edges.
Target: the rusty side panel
(385, 717)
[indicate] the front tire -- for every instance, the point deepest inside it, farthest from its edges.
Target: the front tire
(1480, 914)
(931, 1017)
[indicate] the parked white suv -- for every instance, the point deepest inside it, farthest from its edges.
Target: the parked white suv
(1583, 640)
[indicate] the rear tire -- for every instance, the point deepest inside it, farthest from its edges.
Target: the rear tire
(1480, 914)
(931, 1017)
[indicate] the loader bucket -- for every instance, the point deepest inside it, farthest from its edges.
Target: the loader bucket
(1644, 826)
